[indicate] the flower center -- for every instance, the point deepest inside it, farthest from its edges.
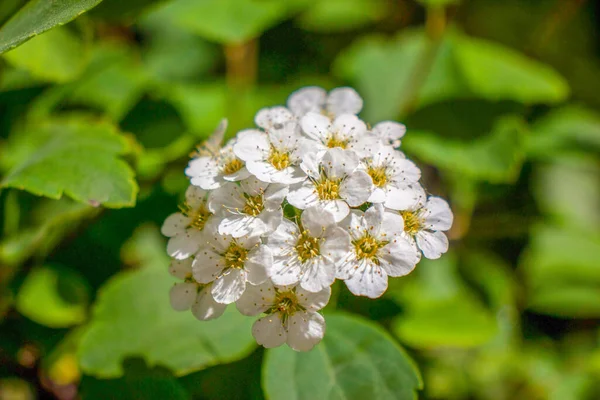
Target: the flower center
(279, 159)
(367, 247)
(232, 166)
(378, 175)
(335, 141)
(286, 303)
(328, 189)
(198, 216)
(254, 205)
(307, 247)
(412, 222)
(235, 256)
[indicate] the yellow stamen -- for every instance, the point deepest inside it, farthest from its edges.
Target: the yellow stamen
(412, 222)
(307, 247)
(235, 256)
(378, 175)
(198, 216)
(367, 247)
(328, 189)
(254, 205)
(279, 159)
(232, 166)
(335, 141)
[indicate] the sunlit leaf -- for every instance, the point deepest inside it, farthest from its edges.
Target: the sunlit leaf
(133, 318)
(355, 360)
(37, 16)
(495, 158)
(77, 157)
(53, 296)
(342, 15)
(57, 56)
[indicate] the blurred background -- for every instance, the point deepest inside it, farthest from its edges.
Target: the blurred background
(501, 101)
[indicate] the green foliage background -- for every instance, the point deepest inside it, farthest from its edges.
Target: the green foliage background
(101, 103)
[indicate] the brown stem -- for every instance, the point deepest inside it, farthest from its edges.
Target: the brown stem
(562, 12)
(242, 64)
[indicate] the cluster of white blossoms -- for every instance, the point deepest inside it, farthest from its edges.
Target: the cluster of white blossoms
(277, 214)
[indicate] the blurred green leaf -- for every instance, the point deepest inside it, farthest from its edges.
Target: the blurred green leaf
(561, 267)
(355, 360)
(226, 21)
(57, 56)
(495, 158)
(438, 3)
(123, 11)
(37, 16)
(342, 15)
(191, 58)
(568, 189)
(566, 127)
(440, 309)
(53, 296)
(132, 317)
(77, 157)
(386, 72)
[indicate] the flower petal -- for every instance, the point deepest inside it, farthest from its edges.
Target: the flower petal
(229, 287)
(283, 240)
(204, 172)
(186, 244)
(390, 132)
(286, 270)
(175, 224)
(205, 307)
(302, 195)
(181, 269)
(308, 99)
(344, 100)
(433, 244)
(207, 266)
(437, 214)
(337, 244)
(405, 197)
(313, 301)
(357, 188)
(252, 145)
(305, 330)
(195, 196)
(316, 220)
(256, 299)
(258, 264)
(399, 257)
(182, 295)
(273, 118)
(338, 208)
(367, 280)
(318, 273)
(316, 126)
(269, 331)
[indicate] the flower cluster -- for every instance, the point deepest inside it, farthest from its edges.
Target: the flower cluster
(277, 214)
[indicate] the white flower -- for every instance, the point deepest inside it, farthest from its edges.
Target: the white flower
(308, 254)
(229, 263)
(389, 132)
(378, 250)
(426, 225)
(211, 172)
(186, 228)
(291, 318)
(274, 118)
(190, 294)
(334, 184)
(347, 131)
(343, 100)
(390, 172)
(273, 157)
(253, 207)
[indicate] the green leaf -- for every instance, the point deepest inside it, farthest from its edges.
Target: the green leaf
(37, 16)
(495, 158)
(440, 309)
(567, 127)
(57, 56)
(54, 296)
(132, 317)
(555, 183)
(496, 72)
(561, 270)
(76, 157)
(123, 11)
(356, 360)
(342, 15)
(226, 21)
(388, 73)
